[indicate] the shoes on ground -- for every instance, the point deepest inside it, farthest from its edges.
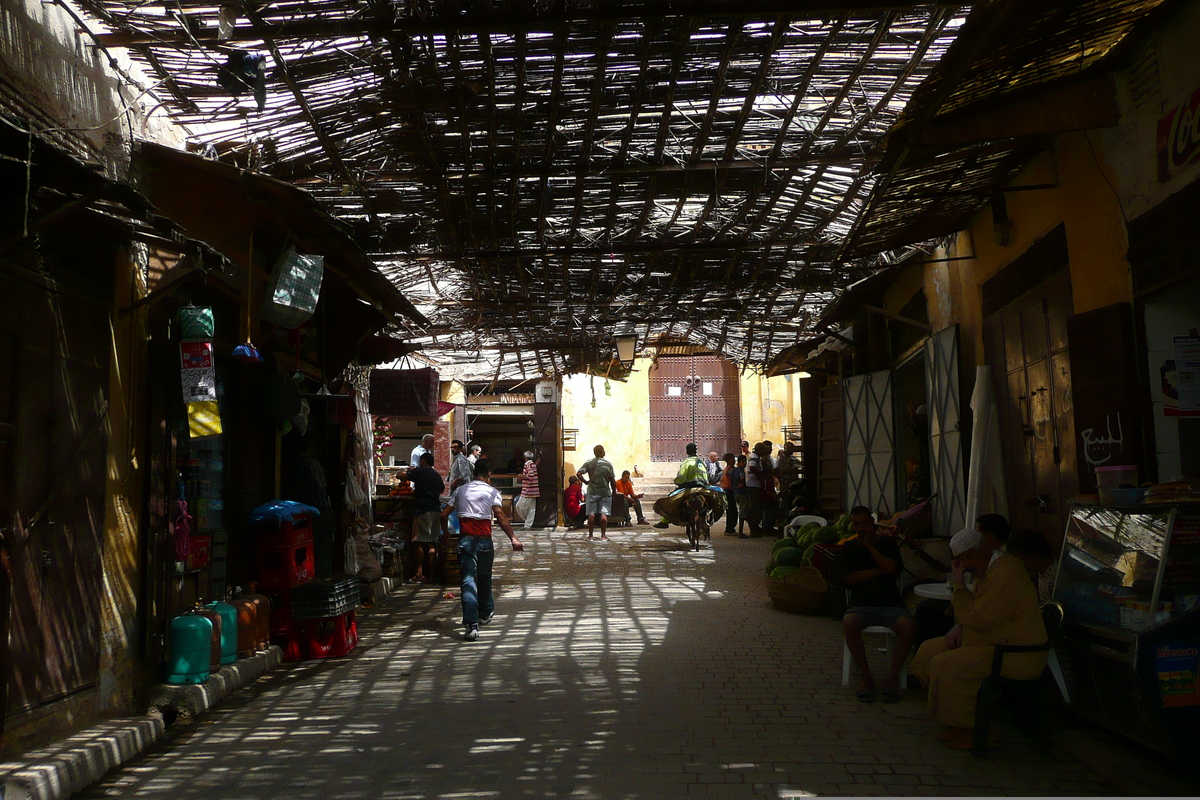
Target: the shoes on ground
(662, 524)
(487, 619)
(472, 633)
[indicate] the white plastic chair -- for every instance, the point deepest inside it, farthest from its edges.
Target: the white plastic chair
(801, 520)
(889, 642)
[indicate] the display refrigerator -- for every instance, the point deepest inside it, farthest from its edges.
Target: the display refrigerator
(1129, 582)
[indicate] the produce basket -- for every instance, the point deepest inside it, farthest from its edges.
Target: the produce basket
(802, 592)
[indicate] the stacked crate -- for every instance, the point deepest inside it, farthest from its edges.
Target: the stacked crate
(284, 560)
(324, 611)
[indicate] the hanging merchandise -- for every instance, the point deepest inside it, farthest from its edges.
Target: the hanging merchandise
(294, 289)
(197, 373)
(196, 322)
(247, 352)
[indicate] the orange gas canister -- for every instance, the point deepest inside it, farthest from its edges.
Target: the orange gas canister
(247, 626)
(262, 616)
(214, 662)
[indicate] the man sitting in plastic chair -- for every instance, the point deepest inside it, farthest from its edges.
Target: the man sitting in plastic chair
(872, 564)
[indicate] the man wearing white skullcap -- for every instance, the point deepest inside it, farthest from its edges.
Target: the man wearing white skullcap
(964, 540)
(1002, 610)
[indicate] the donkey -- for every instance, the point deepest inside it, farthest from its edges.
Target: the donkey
(694, 516)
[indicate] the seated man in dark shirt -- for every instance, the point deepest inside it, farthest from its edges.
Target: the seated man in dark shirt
(872, 564)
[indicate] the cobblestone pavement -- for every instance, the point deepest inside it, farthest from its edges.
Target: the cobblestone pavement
(628, 669)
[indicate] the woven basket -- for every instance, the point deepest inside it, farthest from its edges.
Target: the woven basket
(802, 592)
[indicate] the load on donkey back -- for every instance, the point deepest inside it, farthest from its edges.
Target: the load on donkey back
(695, 503)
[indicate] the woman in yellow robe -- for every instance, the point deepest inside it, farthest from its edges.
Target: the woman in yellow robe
(1002, 610)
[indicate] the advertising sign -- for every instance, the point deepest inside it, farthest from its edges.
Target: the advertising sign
(1176, 664)
(1178, 144)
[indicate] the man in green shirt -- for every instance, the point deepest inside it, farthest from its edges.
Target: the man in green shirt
(693, 471)
(601, 482)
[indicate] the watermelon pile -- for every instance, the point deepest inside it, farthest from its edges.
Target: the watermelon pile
(792, 552)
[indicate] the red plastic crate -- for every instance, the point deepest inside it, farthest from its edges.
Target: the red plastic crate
(330, 637)
(292, 645)
(283, 568)
(296, 533)
(282, 620)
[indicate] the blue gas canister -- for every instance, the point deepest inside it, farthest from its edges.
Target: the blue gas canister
(189, 644)
(229, 630)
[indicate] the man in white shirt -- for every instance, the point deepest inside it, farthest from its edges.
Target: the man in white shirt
(426, 446)
(476, 502)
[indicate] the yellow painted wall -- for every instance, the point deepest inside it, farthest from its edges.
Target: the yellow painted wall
(767, 405)
(1095, 230)
(621, 420)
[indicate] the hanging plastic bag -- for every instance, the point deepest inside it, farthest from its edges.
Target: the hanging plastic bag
(354, 496)
(294, 289)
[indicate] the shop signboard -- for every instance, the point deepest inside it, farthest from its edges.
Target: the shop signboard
(1178, 143)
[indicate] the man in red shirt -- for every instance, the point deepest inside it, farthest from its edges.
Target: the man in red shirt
(573, 502)
(476, 502)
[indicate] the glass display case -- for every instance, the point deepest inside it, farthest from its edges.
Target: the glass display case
(1129, 581)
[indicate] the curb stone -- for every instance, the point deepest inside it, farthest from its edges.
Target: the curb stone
(70, 765)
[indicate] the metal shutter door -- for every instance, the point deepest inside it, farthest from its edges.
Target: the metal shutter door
(944, 406)
(870, 441)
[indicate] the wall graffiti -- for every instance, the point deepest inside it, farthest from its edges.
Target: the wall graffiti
(1100, 448)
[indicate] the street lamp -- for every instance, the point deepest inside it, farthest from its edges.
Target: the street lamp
(626, 347)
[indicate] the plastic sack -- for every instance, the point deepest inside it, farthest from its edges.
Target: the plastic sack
(294, 289)
(196, 322)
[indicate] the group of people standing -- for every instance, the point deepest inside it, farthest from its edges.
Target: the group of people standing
(753, 479)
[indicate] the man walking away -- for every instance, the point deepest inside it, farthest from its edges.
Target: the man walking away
(601, 483)
(461, 470)
(427, 528)
(476, 503)
(530, 491)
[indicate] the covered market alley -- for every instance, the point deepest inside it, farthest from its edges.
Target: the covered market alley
(257, 257)
(633, 669)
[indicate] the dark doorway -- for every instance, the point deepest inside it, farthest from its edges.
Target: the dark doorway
(1025, 343)
(53, 440)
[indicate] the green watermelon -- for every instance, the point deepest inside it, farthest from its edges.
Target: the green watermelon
(810, 528)
(783, 543)
(827, 535)
(779, 573)
(843, 523)
(790, 556)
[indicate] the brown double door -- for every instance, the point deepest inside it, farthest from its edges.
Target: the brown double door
(693, 399)
(53, 443)
(1025, 343)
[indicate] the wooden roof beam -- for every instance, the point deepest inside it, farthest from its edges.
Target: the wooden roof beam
(510, 21)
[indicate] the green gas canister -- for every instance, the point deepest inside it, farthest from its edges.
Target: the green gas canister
(189, 644)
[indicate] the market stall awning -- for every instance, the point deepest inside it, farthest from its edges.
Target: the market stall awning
(220, 204)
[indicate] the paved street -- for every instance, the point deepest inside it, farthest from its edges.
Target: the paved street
(627, 669)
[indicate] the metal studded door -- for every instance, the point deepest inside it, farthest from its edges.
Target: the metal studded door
(693, 399)
(943, 404)
(870, 441)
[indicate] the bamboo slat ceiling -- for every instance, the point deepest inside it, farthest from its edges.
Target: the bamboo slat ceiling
(539, 176)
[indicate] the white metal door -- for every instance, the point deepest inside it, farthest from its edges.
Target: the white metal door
(943, 405)
(870, 442)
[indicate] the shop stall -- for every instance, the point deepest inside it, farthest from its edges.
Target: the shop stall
(1129, 582)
